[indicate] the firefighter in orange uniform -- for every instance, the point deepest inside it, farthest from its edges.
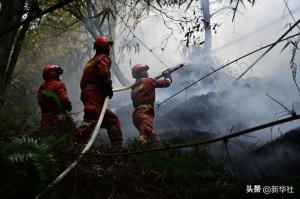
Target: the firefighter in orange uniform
(54, 102)
(95, 85)
(143, 98)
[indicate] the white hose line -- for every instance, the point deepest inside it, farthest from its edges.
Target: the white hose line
(122, 89)
(86, 148)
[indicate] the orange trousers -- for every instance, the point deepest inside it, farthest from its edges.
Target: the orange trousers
(143, 117)
(93, 101)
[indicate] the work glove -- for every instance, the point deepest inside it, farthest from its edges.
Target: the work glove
(167, 75)
(108, 90)
(68, 106)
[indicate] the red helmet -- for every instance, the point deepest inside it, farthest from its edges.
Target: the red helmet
(138, 69)
(101, 42)
(52, 70)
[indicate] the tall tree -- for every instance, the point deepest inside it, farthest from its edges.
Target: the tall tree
(93, 14)
(205, 6)
(12, 13)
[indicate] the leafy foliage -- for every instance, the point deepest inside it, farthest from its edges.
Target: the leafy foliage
(52, 95)
(29, 161)
(25, 150)
(197, 172)
(105, 14)
(16, 120)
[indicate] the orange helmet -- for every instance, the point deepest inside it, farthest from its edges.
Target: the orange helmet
(138, 69)
(52, 70)
(101, 42)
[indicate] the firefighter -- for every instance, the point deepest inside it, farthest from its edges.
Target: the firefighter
(95, 85)
(143, 98)
(54, 102)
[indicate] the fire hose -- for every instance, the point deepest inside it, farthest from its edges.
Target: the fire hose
(95, 133)
(86, 148)
(168, 71)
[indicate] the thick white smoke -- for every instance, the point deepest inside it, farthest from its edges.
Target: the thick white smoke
(225, 105)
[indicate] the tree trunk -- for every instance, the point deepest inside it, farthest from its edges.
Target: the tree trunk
(92, 26)
(207, 46)
(117, 71)
(16, 52)
(115, 68)
(206, 17)
(11, 13)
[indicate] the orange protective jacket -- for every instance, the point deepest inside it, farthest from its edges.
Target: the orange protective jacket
(52, 96)
(143, 91)
(96, 73)
(143, 98)
(96, 78)
(53, 101)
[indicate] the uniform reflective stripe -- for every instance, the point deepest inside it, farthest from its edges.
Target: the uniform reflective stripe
(104, 61)
(94, 60)
(144, 105)
(85, 124)
(89, 64)
(138, 88)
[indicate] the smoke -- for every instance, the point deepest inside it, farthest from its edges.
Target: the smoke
(215, 104)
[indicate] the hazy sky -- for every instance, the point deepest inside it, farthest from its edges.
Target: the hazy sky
(153, 32)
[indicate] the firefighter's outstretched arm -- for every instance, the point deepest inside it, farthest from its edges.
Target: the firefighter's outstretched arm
(169, 71)
(167, 75)
(162, 83)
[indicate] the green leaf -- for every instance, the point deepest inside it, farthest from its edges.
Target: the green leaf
(80, 2)
(102, 12)
(105, 13)
(158, 2)
(103, 18)
(41, 153)
(285, 46)
(188, 6)
(137, 2)
(97, 168)
(243, 4)
(148, 2)
(54, 96)
(112, 14)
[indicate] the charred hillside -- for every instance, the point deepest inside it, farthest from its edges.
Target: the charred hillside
(277, 158)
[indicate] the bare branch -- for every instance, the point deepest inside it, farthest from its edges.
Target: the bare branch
(222, 9)
(288, 110)
(268, 50)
